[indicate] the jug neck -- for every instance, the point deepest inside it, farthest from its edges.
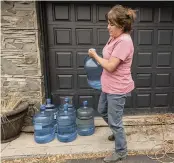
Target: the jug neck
(85, 103)
(65, 108)
(48, 101)
(42, 108)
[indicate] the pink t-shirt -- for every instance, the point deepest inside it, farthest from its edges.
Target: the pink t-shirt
(120, 81)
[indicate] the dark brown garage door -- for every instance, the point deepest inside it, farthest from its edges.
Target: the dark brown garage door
(73, 28)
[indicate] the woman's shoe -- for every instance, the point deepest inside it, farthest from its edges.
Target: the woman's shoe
(115, 157)
(111, 138)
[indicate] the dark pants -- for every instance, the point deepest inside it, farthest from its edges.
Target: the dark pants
(111, 108)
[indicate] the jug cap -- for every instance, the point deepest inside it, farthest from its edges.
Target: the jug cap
(92, 49)
(66, 99)
(85, 103)
(48, 100)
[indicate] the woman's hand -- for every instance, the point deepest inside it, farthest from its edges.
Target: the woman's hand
(110, 65)
(92, 53)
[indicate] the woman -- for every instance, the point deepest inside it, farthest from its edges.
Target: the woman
(116, 79)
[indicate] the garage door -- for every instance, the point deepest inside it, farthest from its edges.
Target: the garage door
(73, 28)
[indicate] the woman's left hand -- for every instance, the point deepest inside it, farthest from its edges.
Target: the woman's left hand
(92, 53)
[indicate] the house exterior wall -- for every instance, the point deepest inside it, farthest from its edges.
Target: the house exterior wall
(21, 72)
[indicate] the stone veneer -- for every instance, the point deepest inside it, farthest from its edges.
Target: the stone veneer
(20, 56)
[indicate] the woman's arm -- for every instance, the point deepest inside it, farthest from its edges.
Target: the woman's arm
(109, 65)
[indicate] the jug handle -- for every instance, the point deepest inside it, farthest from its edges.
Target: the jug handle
(87, 57)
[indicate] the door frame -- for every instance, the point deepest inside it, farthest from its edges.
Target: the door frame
(43, 46)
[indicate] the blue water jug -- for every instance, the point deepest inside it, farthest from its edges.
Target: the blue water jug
(71, 108)
(85, 120)
(93, 71)
(66, 125)
(51, 109)
(43, 127)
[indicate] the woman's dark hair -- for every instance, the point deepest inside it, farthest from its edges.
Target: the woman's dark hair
(121, 17)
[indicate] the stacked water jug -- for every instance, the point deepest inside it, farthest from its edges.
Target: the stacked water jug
(63, 122)
(44, 126)
(66, 125)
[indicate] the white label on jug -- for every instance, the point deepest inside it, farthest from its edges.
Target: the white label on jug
(38, 127)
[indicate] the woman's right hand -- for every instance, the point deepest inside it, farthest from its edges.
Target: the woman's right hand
(92, 53)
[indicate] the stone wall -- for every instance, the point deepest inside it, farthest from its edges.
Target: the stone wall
(20, 56)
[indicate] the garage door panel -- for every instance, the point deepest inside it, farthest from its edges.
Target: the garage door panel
(84, 36)
(83, 12)
(145, 37)
(65, 82)
(62, 36)
(145, 59)
(64, 59)
(161, 100)
(162, 79)
(144, 80)
(81, 55)
(164, 59)
(102, 35)
(165, 37)
(143, 100)
(146, 14)
(165, 14)
(101, 12)
(61, 12)
(82, 82)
